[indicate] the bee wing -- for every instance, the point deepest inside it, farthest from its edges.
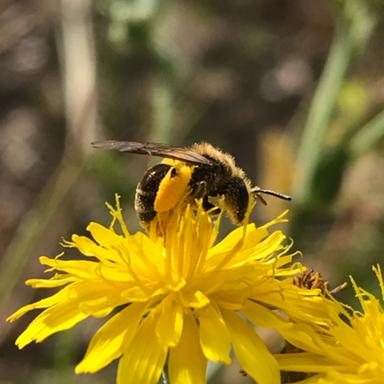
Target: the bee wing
(154, 149)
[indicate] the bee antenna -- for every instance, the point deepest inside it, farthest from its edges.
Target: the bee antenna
(257, 191)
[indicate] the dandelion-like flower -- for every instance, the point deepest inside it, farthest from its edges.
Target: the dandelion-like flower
(174, 300)
(351, 349)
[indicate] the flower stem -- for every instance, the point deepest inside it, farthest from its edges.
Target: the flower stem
(354, 26)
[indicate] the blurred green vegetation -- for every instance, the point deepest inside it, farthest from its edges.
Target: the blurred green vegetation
(294, 90)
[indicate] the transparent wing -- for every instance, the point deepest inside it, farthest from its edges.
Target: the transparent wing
(154, 149)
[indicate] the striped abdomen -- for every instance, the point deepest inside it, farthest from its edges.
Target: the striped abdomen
(146, 191)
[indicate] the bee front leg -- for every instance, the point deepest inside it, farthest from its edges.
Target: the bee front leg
(214, 204)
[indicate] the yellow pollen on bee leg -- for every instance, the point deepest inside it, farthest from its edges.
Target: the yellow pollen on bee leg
(172, 188)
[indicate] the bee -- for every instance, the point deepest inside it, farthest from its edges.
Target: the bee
(189, 173)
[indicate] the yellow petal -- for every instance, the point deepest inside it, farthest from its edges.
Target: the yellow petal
(187, 364)
(115, 273)
(231, 295)
(170, 323)
(263, 250)
(144, 256)
(251, 352)
(43, 303)
(104, 236)
(85, 245)
(214, 337)
(263, 317)
(300, 335)
(107, 342)
(95, 296)
(54, 282)
(303, 362)
(83, 269)
(194, 299)
(252, 237)
(144, 359)
(50, 321)
(135, 293)
(89, 248)
(255, 246)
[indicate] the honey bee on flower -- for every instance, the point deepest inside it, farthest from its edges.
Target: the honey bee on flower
(199, 172)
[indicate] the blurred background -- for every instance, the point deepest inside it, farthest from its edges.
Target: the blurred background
(293, 89)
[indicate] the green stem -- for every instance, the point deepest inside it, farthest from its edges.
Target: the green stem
(368, 136)
(162, 110)
(352, 31)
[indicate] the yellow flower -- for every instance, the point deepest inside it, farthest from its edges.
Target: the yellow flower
(176, 302)
(351, 350)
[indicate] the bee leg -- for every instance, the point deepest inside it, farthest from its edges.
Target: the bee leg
(200, 191)
(213, 204)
